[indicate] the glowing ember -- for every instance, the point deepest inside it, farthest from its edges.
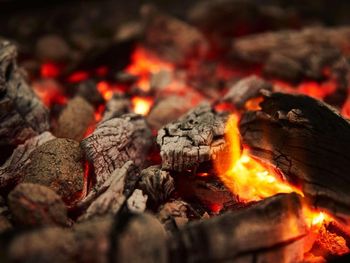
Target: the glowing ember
(78, 76)
(49, 91)
(141, 105)
(49, 70)
(143, 64)
(104, 88)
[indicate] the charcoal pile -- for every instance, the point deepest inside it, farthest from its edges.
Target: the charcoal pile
(217, 131)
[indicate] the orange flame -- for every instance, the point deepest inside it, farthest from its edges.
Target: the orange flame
(141, 105)
(252, 181)
(143, 64)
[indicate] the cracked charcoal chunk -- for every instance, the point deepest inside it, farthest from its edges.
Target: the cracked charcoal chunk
(57, 164)
(75, 119)
(233, 236)
(116, 141)
(22, 115)
(35, 205)
(245, 89)
(137, 202)
(195, 138)
(14, 169)
(110, 197)
(157, 184)
(173, 215)
(309, 142)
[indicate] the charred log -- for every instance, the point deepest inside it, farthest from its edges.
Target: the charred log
(22, 114)
(118, 105)
(116, 141)
(233, 236)
(195, 138)
(306, 140)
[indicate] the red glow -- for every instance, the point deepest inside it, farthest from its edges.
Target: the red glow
(143, 64)
(102, 71)
(78, 77)
(49, 70)
(50, 92)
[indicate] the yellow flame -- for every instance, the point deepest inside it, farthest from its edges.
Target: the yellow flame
(141, 105)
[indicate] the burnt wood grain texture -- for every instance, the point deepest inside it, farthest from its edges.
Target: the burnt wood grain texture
(309, 142)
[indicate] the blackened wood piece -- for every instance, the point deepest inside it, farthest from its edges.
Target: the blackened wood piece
(270, 229)
(309, 142)
(157, 184)
(245, 89)
(14, 169)
(5, 223)
(292, 55)
(75, 119)
(171, 38)
(116, 141)
(35, 205)
(195, 138)
(22, 115)
(109, 198)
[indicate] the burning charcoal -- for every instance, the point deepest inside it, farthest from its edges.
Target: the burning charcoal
(34, 205)
(233, 236)
(49, 244)
(171, 38)
(246, 89)
(308, 141)
(157, 184)
(137, 202)
(173, 215)
(118, 105)
(75, 119)
(142, 233)
(14, 169)
(88, 91)
(113, 193)
(52, 48)
(195, 138)
(167, 110)
(22, 114)
(58, 165)
(116, 141)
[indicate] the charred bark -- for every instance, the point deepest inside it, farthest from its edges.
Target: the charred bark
(116, 141)
(233, 236)
(195, 138)
(309, 142)
(22, 115)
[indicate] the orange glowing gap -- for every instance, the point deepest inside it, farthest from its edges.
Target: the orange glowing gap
(143, 64)
(141, 105)
(245, 176)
